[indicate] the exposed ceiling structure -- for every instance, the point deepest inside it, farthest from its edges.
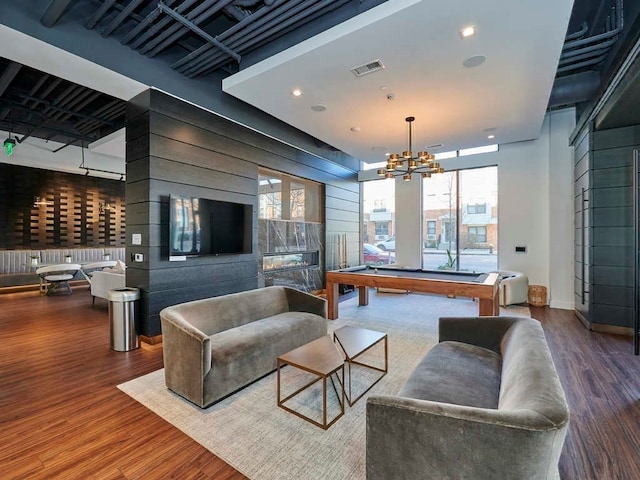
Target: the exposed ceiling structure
(37, 104)
(203, 38)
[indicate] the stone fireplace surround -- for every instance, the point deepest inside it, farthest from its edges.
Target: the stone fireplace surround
(291, 254)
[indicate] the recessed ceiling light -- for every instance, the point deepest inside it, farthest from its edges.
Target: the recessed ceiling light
(468, 31)
(296, 92)
(474, 61)
(318, 108)
(490, 137)
(355, 129)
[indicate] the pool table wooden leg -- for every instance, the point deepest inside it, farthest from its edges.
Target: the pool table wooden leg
(488, 307)
(363, 296)
(485, 307)
(332, 301)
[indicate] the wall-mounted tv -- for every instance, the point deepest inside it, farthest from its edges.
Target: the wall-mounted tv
(200, 226)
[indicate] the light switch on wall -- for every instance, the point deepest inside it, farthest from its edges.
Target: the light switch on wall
(138, 257)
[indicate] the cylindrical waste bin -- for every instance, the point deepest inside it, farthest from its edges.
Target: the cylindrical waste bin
(123, 315)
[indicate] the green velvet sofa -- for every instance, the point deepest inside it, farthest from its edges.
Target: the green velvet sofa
(216, 346)
(484, 403)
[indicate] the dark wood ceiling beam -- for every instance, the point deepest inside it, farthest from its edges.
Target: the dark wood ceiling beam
(53, 107)
(52, 86)
(72, 105)
(54, 131)
(102, 111)
(53, 12)
(8, 75)
(87, 101)
(70, 90)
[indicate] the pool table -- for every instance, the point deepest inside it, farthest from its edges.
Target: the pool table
(482, 286)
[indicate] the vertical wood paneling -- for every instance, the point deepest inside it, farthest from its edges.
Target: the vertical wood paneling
(71, 217)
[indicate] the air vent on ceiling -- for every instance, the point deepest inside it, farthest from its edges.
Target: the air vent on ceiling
(370, 67)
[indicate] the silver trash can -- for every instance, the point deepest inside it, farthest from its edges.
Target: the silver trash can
(123, 315)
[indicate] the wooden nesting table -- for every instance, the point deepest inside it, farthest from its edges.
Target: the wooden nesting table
(354, 341)
(321, 358)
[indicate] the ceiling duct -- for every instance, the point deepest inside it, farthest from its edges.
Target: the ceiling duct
(572, 89)
(367, 68)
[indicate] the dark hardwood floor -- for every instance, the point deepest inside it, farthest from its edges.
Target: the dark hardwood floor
(61, 415)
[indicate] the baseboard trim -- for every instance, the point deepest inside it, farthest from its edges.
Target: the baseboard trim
(151, 340)
(615, 329)
(604, 328)
(562, 305)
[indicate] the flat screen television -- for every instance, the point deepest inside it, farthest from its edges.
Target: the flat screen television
(200, 226)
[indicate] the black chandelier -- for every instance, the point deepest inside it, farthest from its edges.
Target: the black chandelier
(423, 163)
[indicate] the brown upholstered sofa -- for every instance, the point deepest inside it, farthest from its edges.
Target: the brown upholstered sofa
(216, 346)
(484, 403)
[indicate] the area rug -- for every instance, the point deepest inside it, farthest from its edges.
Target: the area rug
(264, 442)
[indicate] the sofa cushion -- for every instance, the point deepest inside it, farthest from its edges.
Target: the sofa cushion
(457, 373)
(215, 315)
(245, 353)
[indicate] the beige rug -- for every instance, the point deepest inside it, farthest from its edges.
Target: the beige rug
(264, 442)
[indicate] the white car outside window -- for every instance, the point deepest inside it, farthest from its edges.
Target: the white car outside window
(388, 244)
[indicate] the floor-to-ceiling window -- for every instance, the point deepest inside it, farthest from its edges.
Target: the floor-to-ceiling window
(460, 220)
(378, 237)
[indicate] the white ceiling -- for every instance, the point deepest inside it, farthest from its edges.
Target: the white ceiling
(42, 56)
(422, 51)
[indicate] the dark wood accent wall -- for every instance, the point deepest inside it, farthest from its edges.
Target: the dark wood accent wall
(604, 283)
(71, 217)
(176, 148)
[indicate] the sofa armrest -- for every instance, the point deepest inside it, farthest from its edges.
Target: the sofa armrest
(486, 332)
(187, 356)
(305, 302)
(408, 437)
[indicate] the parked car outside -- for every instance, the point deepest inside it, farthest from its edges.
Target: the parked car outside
(375, 256)
(388, 244)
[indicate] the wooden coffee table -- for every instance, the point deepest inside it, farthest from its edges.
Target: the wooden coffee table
(322, 358)
(354, 341)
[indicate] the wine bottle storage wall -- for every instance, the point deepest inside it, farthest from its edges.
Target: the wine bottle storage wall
(47, 209)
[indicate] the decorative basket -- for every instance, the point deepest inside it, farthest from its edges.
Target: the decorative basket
(537, 295)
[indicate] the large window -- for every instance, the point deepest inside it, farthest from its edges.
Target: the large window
(285, 197)
(378, 198)
(460, 219)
